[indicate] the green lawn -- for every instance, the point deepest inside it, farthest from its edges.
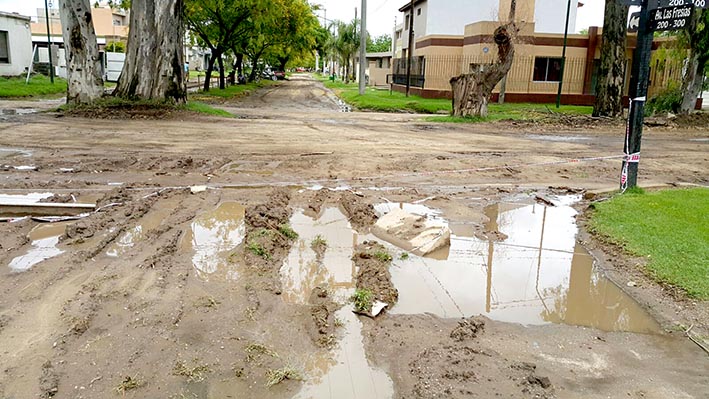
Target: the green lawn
(231, 92)
(202, 108)
(384, 101)
(38, 86)
(670, 228)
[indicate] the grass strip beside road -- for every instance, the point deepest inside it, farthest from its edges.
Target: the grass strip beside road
(202, 108)
(670, 228)
(383, 101)
(39, 86)
(230, 92)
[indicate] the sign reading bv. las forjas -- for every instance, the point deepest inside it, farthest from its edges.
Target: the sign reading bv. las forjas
(673, 18)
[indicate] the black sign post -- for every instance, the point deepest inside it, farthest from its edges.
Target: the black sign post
(639, 79)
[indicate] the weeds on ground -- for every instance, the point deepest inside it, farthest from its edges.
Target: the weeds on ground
(277, 376)
(339, 322)
(193, 374)
(258, 250)
(255, 351)
(327, 341)
(383, 256)
(207, 302)
(363, 300)
(287, 231)
(404, 256)
(129, 383)
(319, 242)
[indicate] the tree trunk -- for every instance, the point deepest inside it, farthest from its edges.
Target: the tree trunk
(85, 83)
(472, 91)
(154, 67)
(696, 62)
(210, 69)
(692, 84)
(239, 64)
(611, 74)
(222, 80)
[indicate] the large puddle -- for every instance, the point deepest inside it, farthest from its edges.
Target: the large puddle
(345, 373)
(44, 240)
(213, 236)
(537, 275)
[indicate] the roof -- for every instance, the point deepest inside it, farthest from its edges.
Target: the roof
(14, 15)
(408, 5)
(383, 54)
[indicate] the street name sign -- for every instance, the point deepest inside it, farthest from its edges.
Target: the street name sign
(673, 18)
(678, 3)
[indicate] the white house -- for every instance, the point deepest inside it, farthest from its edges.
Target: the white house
(449, 17)
(15, 44)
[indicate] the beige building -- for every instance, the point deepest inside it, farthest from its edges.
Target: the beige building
(110, 25)
(536, 70)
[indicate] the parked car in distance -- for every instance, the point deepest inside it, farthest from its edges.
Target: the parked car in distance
(281, 75)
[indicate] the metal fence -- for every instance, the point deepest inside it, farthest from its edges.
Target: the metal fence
(529, 74)
(418, 68)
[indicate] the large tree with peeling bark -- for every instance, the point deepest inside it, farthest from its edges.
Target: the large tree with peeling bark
(698, 60)
(154, 66)
(471, 91)
(611, 74)
(85, 83)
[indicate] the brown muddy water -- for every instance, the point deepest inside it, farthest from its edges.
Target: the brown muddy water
(212, 237)
(44, 245)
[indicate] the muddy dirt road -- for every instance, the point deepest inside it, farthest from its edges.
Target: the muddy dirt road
(243, 290)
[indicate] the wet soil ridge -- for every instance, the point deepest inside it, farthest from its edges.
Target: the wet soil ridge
(324, 323)
(372, 261)
(360, 213)
(269, 238)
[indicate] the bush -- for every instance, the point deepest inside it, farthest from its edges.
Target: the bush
(668, 100)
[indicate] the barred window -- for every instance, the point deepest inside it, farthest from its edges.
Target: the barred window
(4, 48)
(547, 69)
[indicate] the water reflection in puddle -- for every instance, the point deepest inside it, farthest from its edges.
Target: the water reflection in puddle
(538, 275)
(345, 373)
(138, 233)
(213, 236)
(45, 239)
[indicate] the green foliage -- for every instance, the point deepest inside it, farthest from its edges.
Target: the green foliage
(379, 44)
(287, 231)
(668, 100)
(232, 92)
(116, 47)
(404, 256)
(382, 256)
(363, 300)
(39, 85)
(203, 108)
(670, 228)
(258, 250)
(319, 241)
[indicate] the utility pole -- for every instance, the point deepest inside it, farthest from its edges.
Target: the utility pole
(563, 55)
(639, 78)
(363, 49)
(49, 42)
(410, 49)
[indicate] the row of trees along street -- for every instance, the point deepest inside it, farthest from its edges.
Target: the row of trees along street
(241, 33)
(237, 33)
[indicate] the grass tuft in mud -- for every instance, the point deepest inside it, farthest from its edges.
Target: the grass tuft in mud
(128, 384)
(287, 231)
(195, 373)
(363, 300)
(258, 250)
(254, 351)
(275, 377)
(318, 242)
(383, 256)
(404, 256)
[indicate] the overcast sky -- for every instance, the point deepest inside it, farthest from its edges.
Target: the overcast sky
(381, 13)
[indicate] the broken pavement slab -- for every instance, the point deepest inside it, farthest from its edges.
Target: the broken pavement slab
(414, 233)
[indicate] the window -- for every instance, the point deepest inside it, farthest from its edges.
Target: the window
(547, 69)
(406, 21)
(4, 49)
(419, 11)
